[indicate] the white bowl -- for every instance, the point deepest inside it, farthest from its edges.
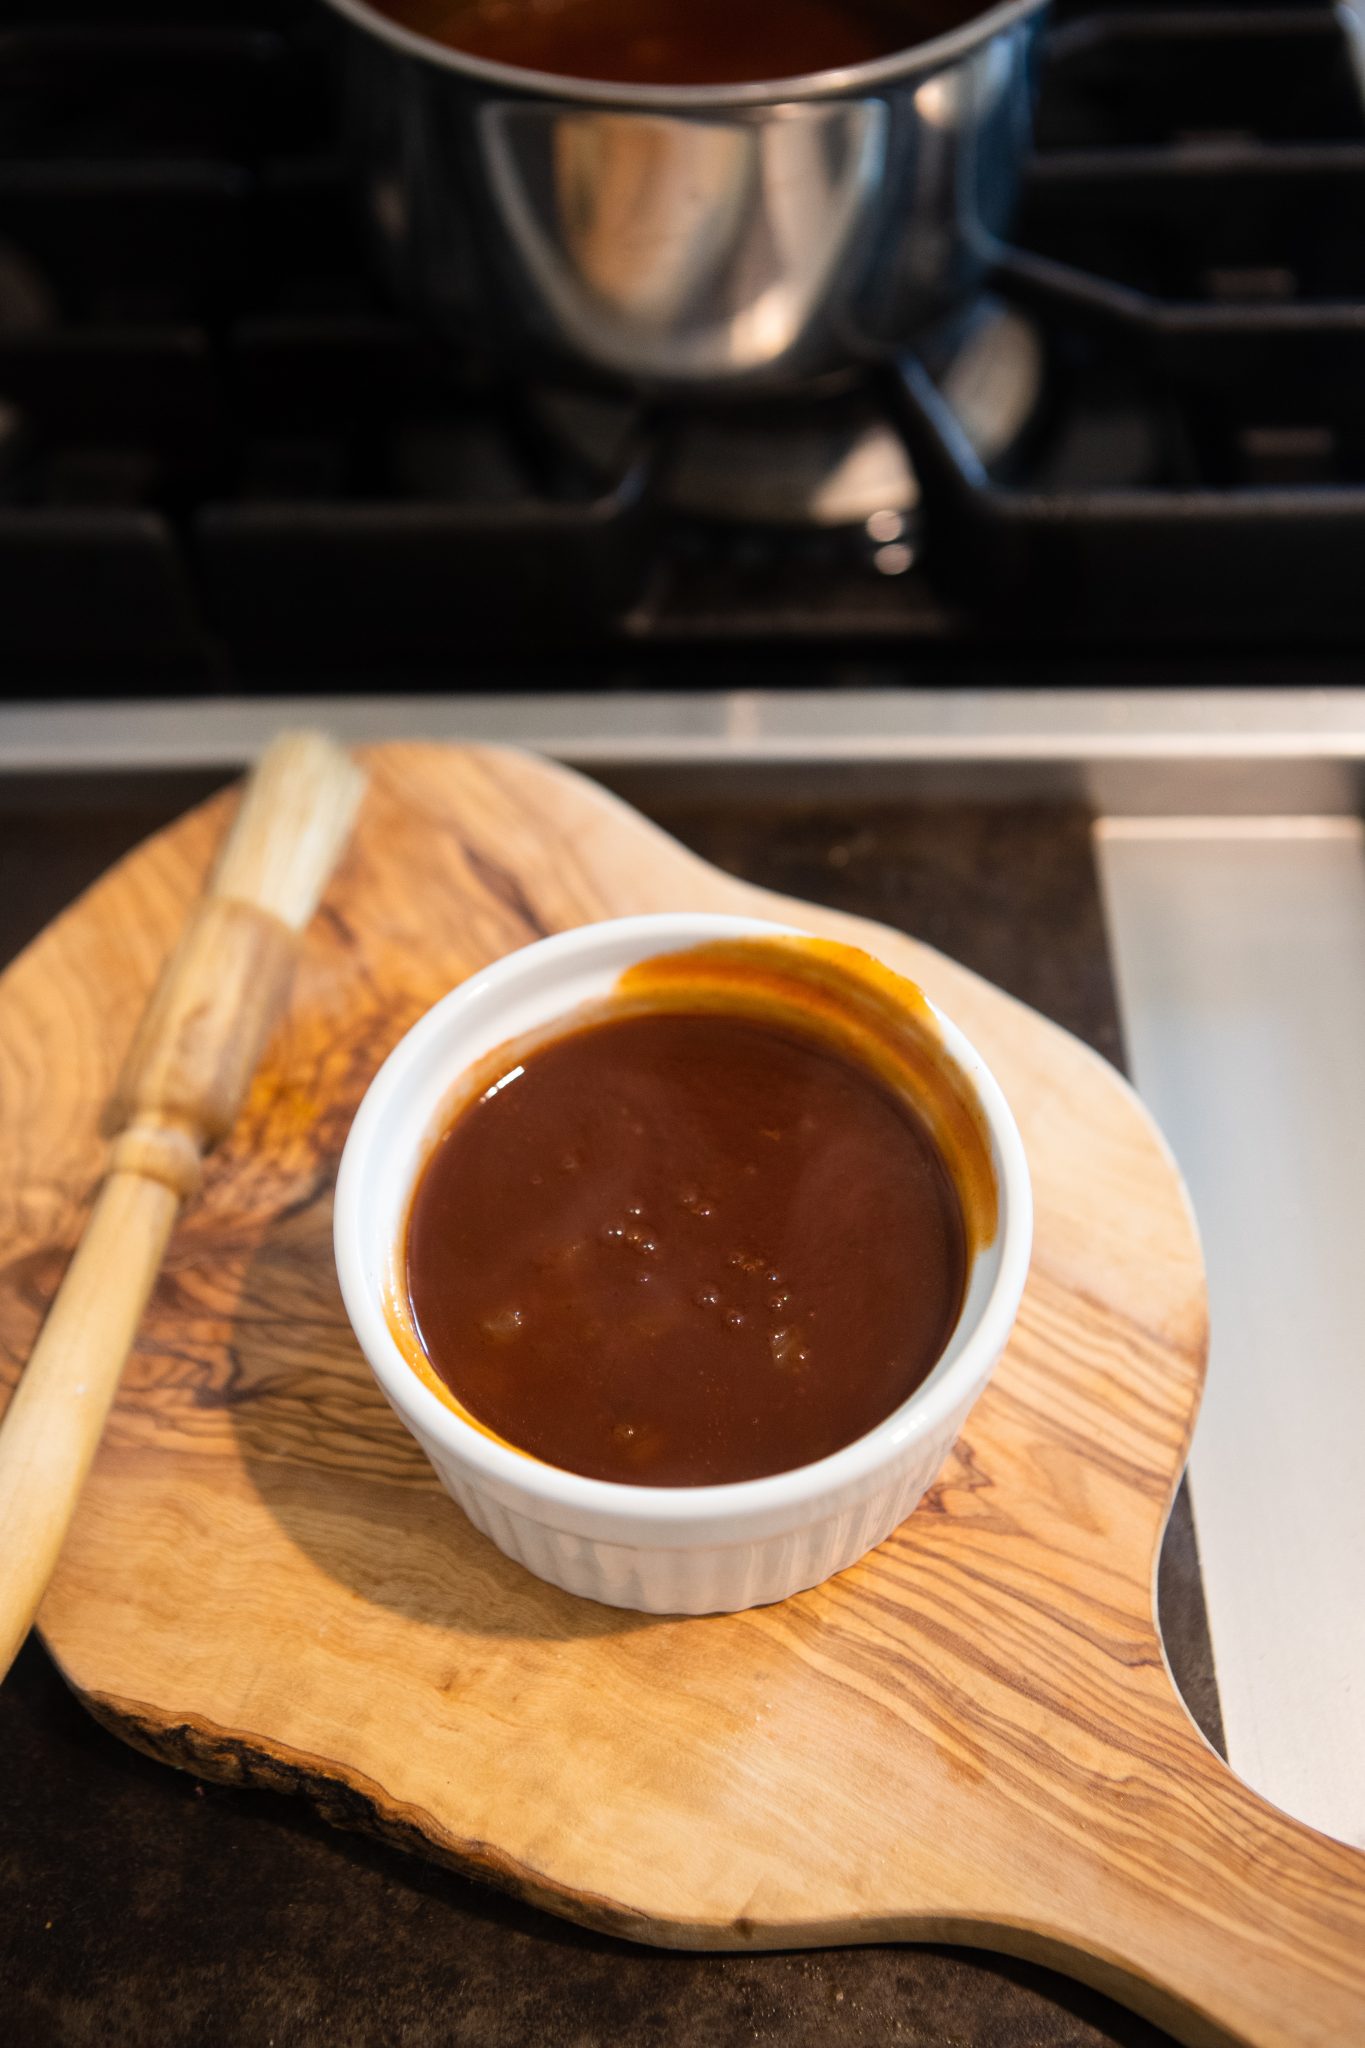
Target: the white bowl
(664, 1550)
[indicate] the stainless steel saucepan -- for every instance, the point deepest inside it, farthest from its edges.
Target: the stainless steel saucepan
(698, 237)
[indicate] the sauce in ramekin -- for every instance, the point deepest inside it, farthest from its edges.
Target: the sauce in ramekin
(680, 1246)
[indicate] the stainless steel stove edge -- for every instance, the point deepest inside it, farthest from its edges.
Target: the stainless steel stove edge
(1172, 751)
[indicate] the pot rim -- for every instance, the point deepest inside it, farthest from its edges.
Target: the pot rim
(919, 59)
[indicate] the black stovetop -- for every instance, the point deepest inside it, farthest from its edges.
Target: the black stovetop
(225, 459)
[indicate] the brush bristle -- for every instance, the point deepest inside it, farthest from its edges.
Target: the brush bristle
(296, 815)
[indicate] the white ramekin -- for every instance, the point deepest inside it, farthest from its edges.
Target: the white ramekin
(665, 1550)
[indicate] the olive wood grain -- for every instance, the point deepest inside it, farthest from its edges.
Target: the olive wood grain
(971, 1736)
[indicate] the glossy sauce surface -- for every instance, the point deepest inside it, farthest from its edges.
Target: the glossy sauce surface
(679, 42)
(684, 1249)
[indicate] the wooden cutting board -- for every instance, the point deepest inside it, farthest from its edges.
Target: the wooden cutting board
(972, 1736)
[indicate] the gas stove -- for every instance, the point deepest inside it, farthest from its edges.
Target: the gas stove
(225, 460)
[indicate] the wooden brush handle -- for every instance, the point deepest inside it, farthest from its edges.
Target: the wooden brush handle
(189, 1068)
(53, 1423)
(183, 1083)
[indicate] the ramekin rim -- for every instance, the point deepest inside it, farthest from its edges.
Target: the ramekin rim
(843, 1473)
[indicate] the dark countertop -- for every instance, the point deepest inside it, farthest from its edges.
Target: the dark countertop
(137, 1906)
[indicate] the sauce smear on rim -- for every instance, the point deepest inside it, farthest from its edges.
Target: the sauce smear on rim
(684, 1249)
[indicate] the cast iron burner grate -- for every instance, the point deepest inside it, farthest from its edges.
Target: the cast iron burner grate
(224, 459)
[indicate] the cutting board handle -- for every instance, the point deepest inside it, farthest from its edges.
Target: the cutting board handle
(1201, 1905)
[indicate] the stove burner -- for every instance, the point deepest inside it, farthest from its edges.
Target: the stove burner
(823, 461)
(839, 471)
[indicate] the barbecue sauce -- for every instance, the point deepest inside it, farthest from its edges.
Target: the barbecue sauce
(679, 42)
(679, 1246)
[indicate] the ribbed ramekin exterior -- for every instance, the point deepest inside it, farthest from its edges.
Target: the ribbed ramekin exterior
(704, 1578)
